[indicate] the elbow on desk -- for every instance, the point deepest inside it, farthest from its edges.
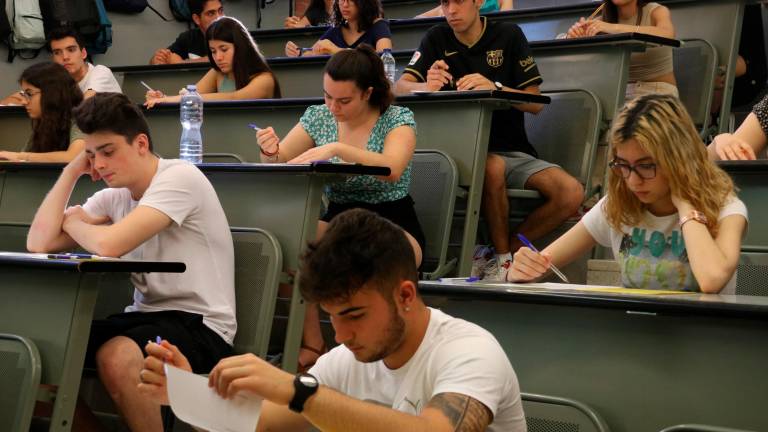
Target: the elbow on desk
(714, 282)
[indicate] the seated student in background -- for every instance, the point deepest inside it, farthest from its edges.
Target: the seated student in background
(239, 71)
(49, 94)
(356, 22)
(318, 13)
(488, 6)
(650, 72)
(400, 365)
(68, 49)
(471, 53)
(671, 216)
(191, 46)
(748, 140)
(152, 209)
(357, 124)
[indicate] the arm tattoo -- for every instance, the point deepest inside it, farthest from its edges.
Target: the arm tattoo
(464, 413)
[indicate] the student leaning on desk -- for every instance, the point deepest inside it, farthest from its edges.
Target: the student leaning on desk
(399, 366)
(671, 216)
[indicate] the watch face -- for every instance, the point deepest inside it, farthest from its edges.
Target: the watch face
(308, 380)
(498, 85)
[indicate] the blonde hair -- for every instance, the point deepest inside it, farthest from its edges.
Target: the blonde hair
(662, 127)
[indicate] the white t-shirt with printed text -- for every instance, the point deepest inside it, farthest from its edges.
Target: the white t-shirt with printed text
(199, 236)
(455, 356)
(652, 255)
(100, 79)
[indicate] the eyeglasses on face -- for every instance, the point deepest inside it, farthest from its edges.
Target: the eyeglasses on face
(29, 94)
(644, 170)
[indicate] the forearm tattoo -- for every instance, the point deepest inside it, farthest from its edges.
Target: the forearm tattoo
(464, 413)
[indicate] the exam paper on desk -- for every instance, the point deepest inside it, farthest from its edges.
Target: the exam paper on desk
(194, 402)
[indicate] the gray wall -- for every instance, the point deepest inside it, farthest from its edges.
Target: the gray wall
(135, 37)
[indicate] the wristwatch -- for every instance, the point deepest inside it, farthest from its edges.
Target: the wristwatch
(498, 85)
(694, 215)
(304, 385)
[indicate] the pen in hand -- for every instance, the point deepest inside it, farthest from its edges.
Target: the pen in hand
(554, 269)
(147, 86)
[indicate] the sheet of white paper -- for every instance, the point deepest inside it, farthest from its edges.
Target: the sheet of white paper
(197, 404)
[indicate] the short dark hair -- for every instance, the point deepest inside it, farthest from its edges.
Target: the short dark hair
(363, 66)
(360, 248)
(369, 11)
(64, 32)
(112, 112)
(196, 6)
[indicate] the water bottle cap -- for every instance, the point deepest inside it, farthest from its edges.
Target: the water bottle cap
(387, 50)
(191, 87)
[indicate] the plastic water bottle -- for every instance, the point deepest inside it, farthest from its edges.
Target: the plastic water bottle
(390, 67)
(191, 145)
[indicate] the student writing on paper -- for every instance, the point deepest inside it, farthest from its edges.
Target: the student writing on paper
(469, 52)
(399, 366)
(49, 93)
(191, 45)
(152, 209)
(356, 22)
(359, 124)
(238, 70)
(671, 216)
(650, 71)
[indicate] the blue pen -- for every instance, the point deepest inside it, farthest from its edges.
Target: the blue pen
(254, 127)
(158, 339)
(71, 256)
(530, 245)
(472, 279)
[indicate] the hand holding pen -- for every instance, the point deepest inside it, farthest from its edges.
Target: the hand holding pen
(529, 264)
(268, 141)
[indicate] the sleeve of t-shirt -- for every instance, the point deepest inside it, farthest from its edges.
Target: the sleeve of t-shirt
(75, 134)
(313, 122)
(102, 80)
(379, 30)
(181, 46)
(476, 367)
(174, 192)
(524, 70)
(424, 57)
(761, 112)
(597, 225)
(100, 203)
(399, 116)
(733, 206)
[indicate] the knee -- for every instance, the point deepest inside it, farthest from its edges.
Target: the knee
(571, 194)
(494, 173)
(118, 362)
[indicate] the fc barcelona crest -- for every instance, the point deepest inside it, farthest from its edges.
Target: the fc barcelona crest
(495, 58)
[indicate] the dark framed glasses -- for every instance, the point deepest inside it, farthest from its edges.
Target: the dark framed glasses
(644, 170)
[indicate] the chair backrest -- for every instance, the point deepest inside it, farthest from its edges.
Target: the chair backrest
(695, 70)
(700, 428)
(567, 132)
(434, 180)
(258, 263)
(554, 414)
(19, 379)
(752, 274)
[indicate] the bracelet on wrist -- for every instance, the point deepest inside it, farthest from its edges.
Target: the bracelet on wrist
(694, 215)
(269, 154)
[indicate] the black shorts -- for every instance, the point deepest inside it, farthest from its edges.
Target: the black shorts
(400, 212)
(202, 346)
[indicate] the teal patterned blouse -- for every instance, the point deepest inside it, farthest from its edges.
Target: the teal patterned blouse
(322, 127)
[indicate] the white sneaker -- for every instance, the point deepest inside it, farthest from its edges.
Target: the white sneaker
(479, 261)
(495, 272)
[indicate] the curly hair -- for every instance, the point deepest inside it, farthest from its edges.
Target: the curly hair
(59, 94)
(248, 60)
(368, 12)
(359, 250)
(663, 128)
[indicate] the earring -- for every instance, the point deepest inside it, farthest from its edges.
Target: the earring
(407, 309)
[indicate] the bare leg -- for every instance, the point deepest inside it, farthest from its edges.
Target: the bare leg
(563, 195)
(119, 362)
(495, 204)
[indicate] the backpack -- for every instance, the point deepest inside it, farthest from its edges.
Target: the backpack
(5, 26)
(126, 6)
(88, 17)
(180, 10)
(25, 33)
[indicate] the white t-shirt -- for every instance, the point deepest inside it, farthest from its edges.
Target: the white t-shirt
(652, 255)
(199, 236)
(455, 356)
(99, 79)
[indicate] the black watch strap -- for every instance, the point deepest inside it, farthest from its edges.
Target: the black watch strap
(304, 385)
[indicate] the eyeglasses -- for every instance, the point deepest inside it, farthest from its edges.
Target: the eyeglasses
(28, 94)
(645, 171)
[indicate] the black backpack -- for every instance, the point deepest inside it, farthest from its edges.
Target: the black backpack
(180, 10)
(88, 17)
(126, 6)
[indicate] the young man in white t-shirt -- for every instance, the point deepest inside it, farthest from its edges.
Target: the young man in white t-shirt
(153, 209)
(399, 366)
(67, 49)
